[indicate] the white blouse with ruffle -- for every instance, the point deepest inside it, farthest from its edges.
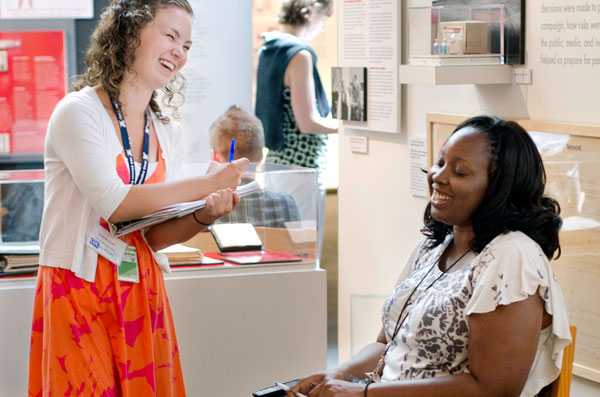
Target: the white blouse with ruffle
(433, 340)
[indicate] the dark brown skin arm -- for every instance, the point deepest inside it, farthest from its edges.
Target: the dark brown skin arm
(502, 347)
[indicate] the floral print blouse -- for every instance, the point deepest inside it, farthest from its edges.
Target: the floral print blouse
(434, 338)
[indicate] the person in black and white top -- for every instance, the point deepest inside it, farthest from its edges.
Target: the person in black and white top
(477, 310)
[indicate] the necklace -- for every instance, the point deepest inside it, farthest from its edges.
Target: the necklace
(375, 375)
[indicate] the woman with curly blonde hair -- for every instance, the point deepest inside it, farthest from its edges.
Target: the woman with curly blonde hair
(102, 324)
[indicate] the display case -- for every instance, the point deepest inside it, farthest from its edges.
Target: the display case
(478, 32)
(284, 213)
(205, 299)
(22, 202)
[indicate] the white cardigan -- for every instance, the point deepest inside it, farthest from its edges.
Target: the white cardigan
(82, 184)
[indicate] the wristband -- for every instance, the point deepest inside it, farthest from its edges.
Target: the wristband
(198, 222)
(369, 383)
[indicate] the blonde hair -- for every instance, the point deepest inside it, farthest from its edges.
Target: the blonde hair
(112, 50)
(244, 127)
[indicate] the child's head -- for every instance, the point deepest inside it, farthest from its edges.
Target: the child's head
(245, 128)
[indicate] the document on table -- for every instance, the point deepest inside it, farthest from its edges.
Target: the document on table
(173, 211)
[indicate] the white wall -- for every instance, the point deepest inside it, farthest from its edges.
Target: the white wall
(219, 69)
(379, 220)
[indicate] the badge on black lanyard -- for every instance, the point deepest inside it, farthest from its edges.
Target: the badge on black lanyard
(127, 262)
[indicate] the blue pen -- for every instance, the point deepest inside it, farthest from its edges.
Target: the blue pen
(231, 150)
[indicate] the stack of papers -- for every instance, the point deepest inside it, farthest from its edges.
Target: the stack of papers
(180, 254)
(172, 211)
(19, 258)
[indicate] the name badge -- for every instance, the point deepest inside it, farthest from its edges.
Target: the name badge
(128, 268)
(106, 245)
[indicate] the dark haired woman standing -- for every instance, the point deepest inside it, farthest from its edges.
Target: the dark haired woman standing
(477, 310)
(102, 323)
(290, 100)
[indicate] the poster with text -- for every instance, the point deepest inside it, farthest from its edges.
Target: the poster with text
(32, 81)
(369, 36)
(34, 9)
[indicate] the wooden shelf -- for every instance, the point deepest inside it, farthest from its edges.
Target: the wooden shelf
(455, 74)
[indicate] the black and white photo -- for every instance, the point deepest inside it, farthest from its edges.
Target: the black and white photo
(349, 93)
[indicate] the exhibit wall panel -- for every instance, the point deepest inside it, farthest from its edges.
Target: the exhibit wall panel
(66, 25)
(379, 220)
(563, 51)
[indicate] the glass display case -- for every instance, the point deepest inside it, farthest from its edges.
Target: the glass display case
(284, 213)
(445, 32)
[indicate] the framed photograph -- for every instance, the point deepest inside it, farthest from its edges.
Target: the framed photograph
(349, 93)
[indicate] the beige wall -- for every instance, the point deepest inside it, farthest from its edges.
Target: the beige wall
(379, 219)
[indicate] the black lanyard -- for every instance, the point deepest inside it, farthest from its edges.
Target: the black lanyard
(127, 146)
(401, 319)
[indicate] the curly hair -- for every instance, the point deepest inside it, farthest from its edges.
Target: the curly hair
(112, 50)
(297, 12)
(514, 199)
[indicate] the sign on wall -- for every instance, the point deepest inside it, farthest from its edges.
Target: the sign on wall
(32, 81)
(369, 36)
(34, 9)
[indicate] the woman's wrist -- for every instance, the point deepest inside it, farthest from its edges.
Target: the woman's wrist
(200, 221)
(213, 182)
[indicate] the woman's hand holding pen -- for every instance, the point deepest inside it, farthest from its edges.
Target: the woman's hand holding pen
(218, 204)
(228, 175)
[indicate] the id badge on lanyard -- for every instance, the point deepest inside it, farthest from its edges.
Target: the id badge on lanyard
(116, 251)
(123, 256)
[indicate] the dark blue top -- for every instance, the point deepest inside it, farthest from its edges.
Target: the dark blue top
(275, 54)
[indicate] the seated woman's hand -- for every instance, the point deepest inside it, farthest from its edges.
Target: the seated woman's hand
(312, 382)
(218, 204)
(337, 388)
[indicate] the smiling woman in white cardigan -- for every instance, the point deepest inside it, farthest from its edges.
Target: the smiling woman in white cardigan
(102, 324)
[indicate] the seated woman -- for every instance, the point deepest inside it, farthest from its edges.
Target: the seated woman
(477, 310)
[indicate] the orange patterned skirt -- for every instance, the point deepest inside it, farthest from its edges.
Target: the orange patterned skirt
(108, 338)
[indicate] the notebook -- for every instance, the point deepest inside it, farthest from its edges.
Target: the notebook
(232, 237)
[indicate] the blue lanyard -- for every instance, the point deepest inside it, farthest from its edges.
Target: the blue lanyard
(127, 146)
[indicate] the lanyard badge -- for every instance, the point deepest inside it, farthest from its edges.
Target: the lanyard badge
(127, 146)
